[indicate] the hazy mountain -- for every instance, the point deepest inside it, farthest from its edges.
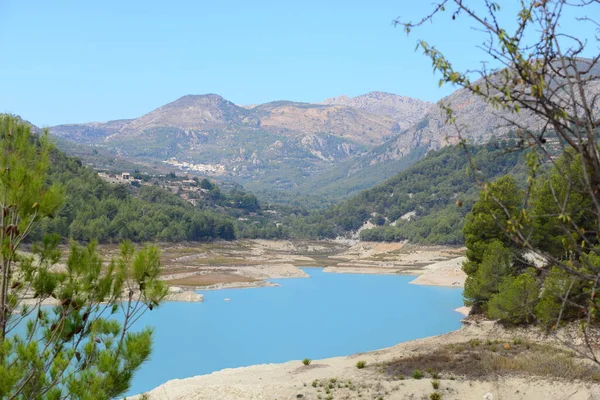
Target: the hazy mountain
(475, 119)
(405, 110)
(90, 133)
(334, 148)
(277, 144)
(205, 112)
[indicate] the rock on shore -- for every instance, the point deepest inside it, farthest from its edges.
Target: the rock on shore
(178, 294)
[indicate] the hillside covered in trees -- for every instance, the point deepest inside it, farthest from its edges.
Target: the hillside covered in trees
(98, 210)
(426, 203)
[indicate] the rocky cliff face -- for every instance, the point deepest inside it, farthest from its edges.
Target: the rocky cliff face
(344, 122)
(475, 120)
(406, 111)
(478, 122)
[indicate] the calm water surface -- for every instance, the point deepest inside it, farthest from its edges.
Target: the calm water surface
(324, 316)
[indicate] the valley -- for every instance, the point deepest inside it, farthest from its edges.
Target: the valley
(300, 200)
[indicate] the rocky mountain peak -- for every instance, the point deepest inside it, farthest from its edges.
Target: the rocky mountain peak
(201, 112)
(405, 110)
(198, 99)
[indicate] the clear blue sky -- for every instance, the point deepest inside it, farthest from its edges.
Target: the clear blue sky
(79, 61)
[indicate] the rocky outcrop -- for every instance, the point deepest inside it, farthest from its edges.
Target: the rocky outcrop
(406, 111)
(179, 294)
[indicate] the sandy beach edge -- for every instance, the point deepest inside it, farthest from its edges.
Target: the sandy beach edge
(292, 379)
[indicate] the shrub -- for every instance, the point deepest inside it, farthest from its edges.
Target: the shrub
(361, 364)
(435, 396)
(436, 384)
(417, 374)
(306, 361)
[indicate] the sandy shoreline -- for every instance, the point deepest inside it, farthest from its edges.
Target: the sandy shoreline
(293, 380)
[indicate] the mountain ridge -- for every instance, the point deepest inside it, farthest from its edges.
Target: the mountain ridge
(405, 110)
(278, 144)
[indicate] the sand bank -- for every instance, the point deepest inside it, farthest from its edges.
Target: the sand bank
(443, 273)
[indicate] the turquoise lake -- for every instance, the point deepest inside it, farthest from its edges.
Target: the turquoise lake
(325, 315)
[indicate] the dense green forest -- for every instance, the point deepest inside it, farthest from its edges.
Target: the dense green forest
(429, 191)
(98, 210)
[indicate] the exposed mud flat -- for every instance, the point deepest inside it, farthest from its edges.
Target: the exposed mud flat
(251, 263)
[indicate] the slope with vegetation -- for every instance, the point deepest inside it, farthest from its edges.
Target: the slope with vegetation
(98, 210)
(420, 203)
(534, 252)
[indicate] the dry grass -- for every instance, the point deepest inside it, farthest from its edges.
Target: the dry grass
(479, 360)
(318, 261)
(220, 260)
(180, 270)
(209, 279)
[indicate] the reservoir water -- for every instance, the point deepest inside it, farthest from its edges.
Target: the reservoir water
(326, 315)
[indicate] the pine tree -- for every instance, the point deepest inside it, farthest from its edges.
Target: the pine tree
(77, 348)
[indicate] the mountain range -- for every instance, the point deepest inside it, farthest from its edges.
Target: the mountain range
(276, 145)
(334, 148)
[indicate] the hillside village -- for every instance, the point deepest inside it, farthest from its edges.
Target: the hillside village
(189, 189)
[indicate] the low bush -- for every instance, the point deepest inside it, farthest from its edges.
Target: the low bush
(435, 396)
